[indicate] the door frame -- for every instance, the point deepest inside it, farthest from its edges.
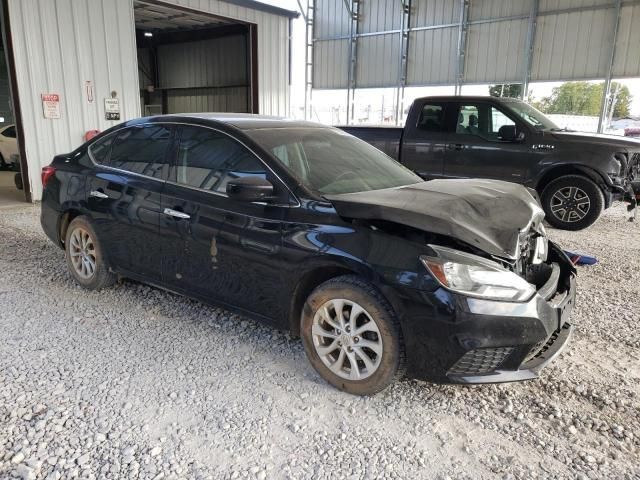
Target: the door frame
(9, 53)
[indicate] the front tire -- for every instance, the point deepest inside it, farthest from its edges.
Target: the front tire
(572, 202)
(352, 336)
(85, 257)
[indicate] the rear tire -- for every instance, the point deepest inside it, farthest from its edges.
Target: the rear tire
(85, 257)
(359, 353)
(572, 202)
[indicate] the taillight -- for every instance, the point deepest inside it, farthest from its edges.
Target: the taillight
(47, 173)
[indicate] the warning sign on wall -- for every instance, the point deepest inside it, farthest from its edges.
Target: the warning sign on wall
(50, 105)
(112, 109)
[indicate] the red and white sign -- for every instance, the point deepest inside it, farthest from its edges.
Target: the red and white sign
(50, 105)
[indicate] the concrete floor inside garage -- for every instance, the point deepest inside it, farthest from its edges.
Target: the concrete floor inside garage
(134, 382)
(10, 196)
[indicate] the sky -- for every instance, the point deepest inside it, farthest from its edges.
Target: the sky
(538, 90)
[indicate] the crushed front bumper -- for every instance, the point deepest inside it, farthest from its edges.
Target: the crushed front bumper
(469, 340)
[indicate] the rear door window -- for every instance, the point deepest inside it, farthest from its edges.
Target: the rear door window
(208, 160)
(9, 132)
(433, 118)
(142, 150)
(101, 149)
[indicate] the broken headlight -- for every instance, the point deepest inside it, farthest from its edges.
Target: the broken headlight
(476, 276)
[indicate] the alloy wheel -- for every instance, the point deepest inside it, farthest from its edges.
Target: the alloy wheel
(347, 339)
(83, 253)
(570, 204)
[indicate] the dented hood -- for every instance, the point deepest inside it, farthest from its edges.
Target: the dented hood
(488, 214)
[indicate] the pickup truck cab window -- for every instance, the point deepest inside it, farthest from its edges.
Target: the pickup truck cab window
(208, 159)
(482, 120)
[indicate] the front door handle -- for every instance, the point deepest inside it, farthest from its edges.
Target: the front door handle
(455, 146)
(98, 194)
(176, 213)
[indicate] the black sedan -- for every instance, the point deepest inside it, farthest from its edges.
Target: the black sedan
(312, 230)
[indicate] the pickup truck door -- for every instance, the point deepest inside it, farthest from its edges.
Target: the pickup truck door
(476, 150)
(425, 140)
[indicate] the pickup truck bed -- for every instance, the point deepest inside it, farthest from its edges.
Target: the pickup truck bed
(387, 139)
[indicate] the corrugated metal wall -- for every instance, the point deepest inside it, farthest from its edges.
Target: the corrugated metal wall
(569, 45)
(231, 99)
(206, 63)
(60, 44)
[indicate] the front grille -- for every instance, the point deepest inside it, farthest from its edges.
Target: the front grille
(480, 360)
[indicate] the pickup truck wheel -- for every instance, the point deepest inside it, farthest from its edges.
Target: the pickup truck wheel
(572, 202)
(352, 337)
(84, 256)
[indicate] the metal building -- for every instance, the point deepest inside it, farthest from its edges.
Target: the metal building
(398, 43)
(77, 65)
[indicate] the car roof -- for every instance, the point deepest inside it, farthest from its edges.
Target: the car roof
(242, 121)
(468, 98)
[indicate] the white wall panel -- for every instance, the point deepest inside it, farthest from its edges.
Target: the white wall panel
(331, 64)
(331, 19)
(380, 15)
(379, 65)
(205, 63)
(434, 12)
(495, 52)
(58, 45)
(207, 100)
(432, 57)
(626, 62)
(573, 46)
(489, 9)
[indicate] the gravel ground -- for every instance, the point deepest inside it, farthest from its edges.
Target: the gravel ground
(134, 382)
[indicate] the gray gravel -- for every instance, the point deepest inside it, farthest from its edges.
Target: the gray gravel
(134, 382)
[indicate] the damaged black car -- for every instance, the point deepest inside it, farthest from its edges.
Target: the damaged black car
(311, 230)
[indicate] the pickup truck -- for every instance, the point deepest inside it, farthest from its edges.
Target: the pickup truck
(576, 175)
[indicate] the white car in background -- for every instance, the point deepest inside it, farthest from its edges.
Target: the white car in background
(8, 146)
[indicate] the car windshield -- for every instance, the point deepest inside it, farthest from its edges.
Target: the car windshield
(329, 161)
(533, 117)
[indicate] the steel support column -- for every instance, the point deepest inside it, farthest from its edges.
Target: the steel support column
(353, 58)
(462, 44)
(531, 38)
(605, 104)
(404, 58)
(308, 16)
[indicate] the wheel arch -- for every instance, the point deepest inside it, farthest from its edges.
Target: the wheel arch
(63, 223)
(317, 276)
(572, 169)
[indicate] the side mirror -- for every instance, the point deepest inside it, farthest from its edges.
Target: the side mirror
(509, 133)
(250, 189)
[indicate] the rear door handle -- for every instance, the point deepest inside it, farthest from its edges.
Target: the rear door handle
(455, 146)
(98, 194)
(176, 213)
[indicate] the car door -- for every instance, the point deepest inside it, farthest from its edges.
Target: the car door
(424, 143)
(123, 196)
(476, 149)
(217, 248)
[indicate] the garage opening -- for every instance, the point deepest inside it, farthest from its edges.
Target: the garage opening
(190, 61)
(12, 190)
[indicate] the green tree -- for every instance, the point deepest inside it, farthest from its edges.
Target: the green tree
(510, 90)
(584, 98)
